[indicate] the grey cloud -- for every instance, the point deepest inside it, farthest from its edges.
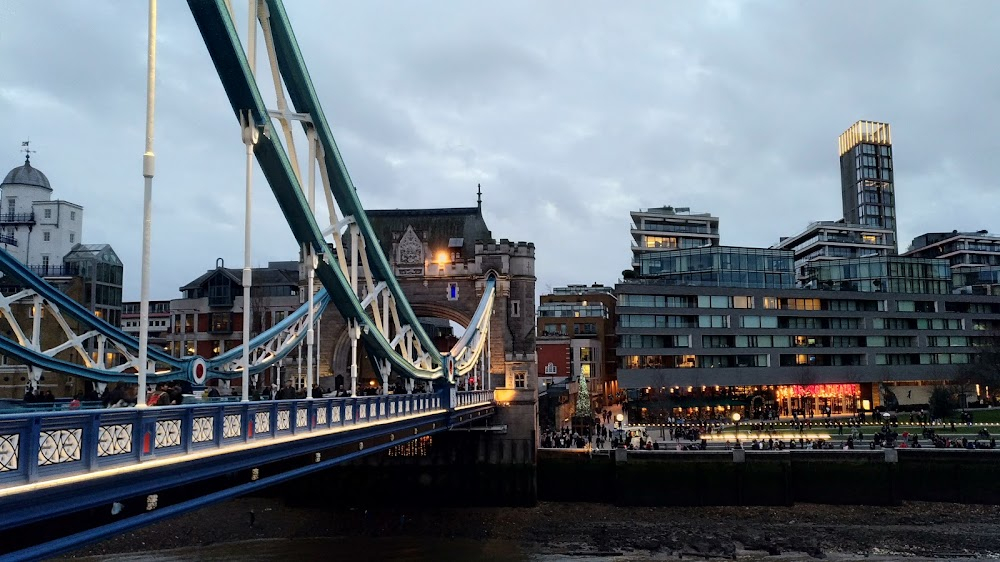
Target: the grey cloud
(569, 114)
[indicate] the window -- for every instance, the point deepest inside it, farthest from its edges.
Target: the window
(72, 237)
(48, 213)
(453, 291)
(72, 215)
(742, 302)
(11, 202)
(46, 236)
(947, 341)
(550, 369)
(759, 322)
(520, 379)
(770, 302)
(713, 321)
(706, 301)
(221, 322)
(515, 309)
(754, 341)
(639, 342)
(660, 242)
(45, 262)
(801, 304)
(716, 341)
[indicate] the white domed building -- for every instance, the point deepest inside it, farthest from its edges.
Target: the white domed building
(34, 228)
(45, 234)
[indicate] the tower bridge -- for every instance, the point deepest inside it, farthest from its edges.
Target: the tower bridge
(72, 477)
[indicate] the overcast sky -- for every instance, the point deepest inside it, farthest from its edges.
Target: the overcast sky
(570, 114)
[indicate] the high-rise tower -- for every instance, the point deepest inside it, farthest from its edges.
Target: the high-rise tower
(866, 181)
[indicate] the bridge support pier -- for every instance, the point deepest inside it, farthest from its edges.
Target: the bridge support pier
(478, 466)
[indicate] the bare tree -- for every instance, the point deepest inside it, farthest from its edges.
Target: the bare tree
(984, 365)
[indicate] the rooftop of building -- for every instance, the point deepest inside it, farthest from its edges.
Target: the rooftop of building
(931, 238)
(595, 289)
(864, 132)
(439, 228)
(93, 252)
(820, 226)
(668, 210)
(26, 175)
(276, 273)
(57, 202)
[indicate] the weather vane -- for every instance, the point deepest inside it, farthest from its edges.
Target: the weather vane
(26, 149)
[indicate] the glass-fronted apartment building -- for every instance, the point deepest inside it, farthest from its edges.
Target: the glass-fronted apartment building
(701, 351)
(835, 240)
(871, 327)
(670, 228)
(891, 274)
(866, 177)
(963, 250)
(719, 266)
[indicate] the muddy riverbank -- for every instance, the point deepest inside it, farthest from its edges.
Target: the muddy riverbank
(552, 530)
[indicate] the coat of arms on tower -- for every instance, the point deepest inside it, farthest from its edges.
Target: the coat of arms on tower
(410, 254)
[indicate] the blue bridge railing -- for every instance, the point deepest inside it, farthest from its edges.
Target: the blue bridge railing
(47, 445)
(473, 398)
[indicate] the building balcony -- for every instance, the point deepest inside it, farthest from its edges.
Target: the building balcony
(8, 240)
(68, 270)
(7, 219)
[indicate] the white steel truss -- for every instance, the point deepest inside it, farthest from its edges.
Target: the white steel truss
(268, 352)
(92, 349)
(341, 234)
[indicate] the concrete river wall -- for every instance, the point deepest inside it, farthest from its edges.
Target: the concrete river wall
(691, 478)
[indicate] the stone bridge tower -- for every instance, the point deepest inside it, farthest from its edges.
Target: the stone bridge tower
(441, 258)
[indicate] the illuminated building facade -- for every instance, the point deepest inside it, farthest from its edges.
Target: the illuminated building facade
(670, 228)
(701, 334)
(700, 351)
(866, 177)
(576, 338)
